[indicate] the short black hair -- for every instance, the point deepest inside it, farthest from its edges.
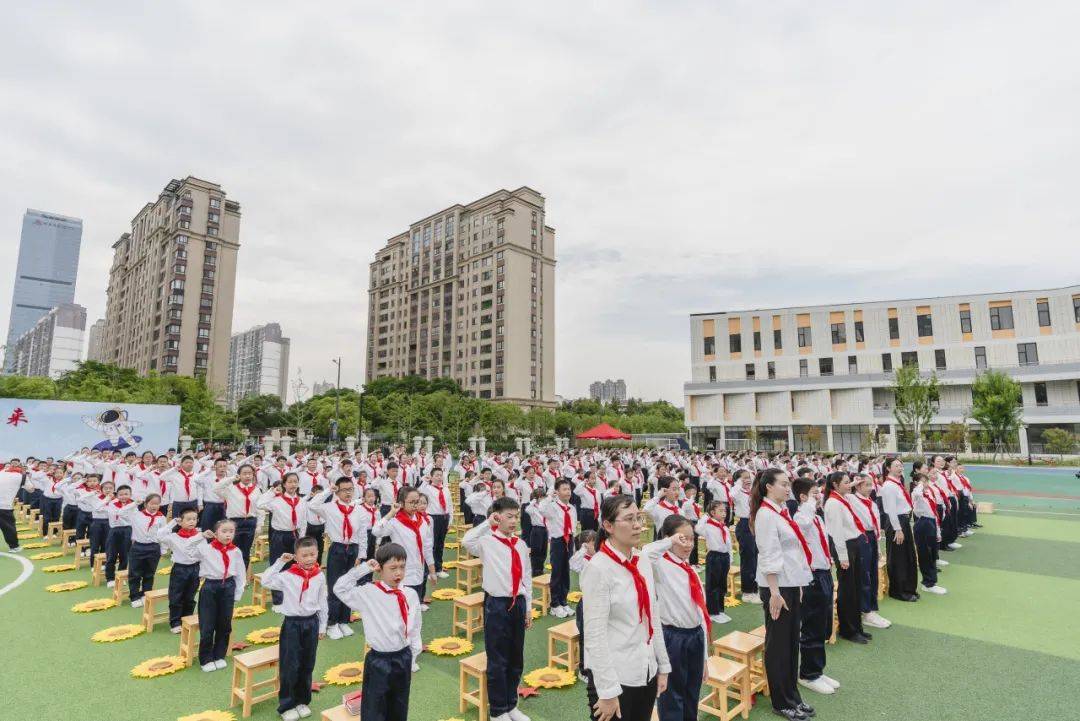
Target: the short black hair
(391, 464)
(562, 482)
(305, 542)
(187, 511)
(665, 482)
(504, 504)
(342, 480)
(390, 552)
(801, 485)
(671, 524)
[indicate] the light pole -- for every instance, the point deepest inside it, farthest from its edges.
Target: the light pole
(337, 400)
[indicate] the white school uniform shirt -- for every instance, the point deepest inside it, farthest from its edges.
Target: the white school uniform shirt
(144, 526)
(480, 501)
(659, 509)
(921, 498)
(813, 529)
(482, 542)
(779, 549)
(840, 524)
(867, 511)
(237, 504)
(553, 512)
(281, 512)
(296, 601)
(580, 558)
(535, 516)
(676, 606)
(327, 508)
(182, 486)
(416, 559)
(212, 565)
(591, 496)
(440, 499)
(308, 480)
(691, 510)
(150, 481)
(616, 645)
(184, 550)
(893, 502)
(388, 489)
(717, 536)
(116, 518)
(10, 483)
(721, 492)
(384, 629)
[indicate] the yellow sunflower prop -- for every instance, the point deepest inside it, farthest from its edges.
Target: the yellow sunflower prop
(535, 614)
(449, 646)
(59, 569)
(574, 597)
(33, 546)
(355, 616)
(255, 558)
(98, 604)
(45, 556)
(160, 666)
(69, 586)
(209, 716)
(447, 594)
(345, 674)
(248, 611)
(450, 565)
(164, 571)
(27, 534)
(549, 677)
(547, 566)
(452, 545)
(264, 635)
(118, 633)
(732, 601)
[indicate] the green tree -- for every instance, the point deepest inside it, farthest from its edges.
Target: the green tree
(23, 387)
(1059, 440)
(916, 401)
(259, 412)
(996, 406)
(956, 436)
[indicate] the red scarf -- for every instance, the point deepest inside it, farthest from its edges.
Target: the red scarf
(515, 565)
(644, 602)
(371, 512)
(187, 532)
(567, 523)
(305, 575)
(697, 595)
(346, 522)
(933, 507)
(247, 491)
(224, 551)
(870, 509)
(669, 507)
(595, 502)
(821, 539)
(858, 524)
(721, 526)
(442, 498)
(187, 481)
(783, 513)
(403, 606)
(965, 481)
(152, 516)
(292, 503)
(907, 496)
(413, 524)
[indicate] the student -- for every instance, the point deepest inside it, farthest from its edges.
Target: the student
(846, 533)
(224, 574)
(441, 510)
(626, 661)
(403, 525)
(692, 512)
(213, 508)
(927, 532)
(664, 503)
(388, 487)
(118, 542)
(465, 488)
(184, 490)
(559, 517)
(783, 569)
(84, 501)
(899, 540)
(817, 597)
(538, 533)
(11, 481)
(303, 591)
(180, 537)
(507, 604)
(241, 496)
(288, 521)
(314, 528)
(683, 616)
(348, 526)
(370, 510)
(740, 496)
(392, 622)
(98, 531)
(586, 543)
(145, 519)
(868, 513)
(717, 559)
(590, 497)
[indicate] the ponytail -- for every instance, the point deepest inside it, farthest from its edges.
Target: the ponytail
(765, 478)
(830, 482)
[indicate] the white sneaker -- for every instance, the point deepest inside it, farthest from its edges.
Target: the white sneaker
(220, 664)
(208, 667)
(303, 710)
(941, 563)
(721, 618)
(555, 611)
(17, 549)
(516, 715)
(334, 632)
(424, 607)
(567, 612)
(751, 598)
(965, 534)
(818, 685)
(137, 603)
(933, 589)
(415, 667)
(831, 681)
(174, 629)
(110, 584)
(276, 609)
(954, 546)
(291, 715)
(885, 623)
(874, 621)
(443, 574)
(345, 630)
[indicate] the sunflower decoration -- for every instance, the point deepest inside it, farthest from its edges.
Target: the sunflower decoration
(46, 555)
(574, 597)
(28, 534)
(61, 568)
(549, 677)
(164, 571)
(248, 611)
(450, 565)
(209, 716)
(255, 558)
(732, 601)
(547, 566)
(355, 616)
(160, 666)
(97, 604)
(452, 545)
(449, 646)
(118, 633)
(345, 674)
(535, 614)
(34, 546)
(264, 635)
(447, 594)
(69, 586)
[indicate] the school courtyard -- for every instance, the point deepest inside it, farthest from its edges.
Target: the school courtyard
(1004, 643)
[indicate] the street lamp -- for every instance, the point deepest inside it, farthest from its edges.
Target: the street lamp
(337, 401)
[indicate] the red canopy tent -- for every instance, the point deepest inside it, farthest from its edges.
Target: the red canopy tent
(603, 432)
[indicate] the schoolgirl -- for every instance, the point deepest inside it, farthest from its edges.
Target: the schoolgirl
(927, 531)
(846, 538)
(180, 536)
(740, 496)
(118, 542)
(224, 574)
(145, 519)
(899, 539)
(288, 520)
(717, 558)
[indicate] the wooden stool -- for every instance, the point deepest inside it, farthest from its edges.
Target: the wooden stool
(984, 507)
(34, 519)
(475, 668)
(338, 713)
(543, 583)
(119, 586)
(726, 680)
(261, 547)
(882, 578)
(80, 545)
(245, 688)
(468, 615)
(749, 651)
(67, 536)
(97, 571)
(260, 596)
(564, 633)
(189, 639)
(52, 533)
(759, 631)
(734, 581)
(462, 552)
(155, 607)
(468, 574)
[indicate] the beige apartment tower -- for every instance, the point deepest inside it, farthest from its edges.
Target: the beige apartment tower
(469, 293)
(172, 282)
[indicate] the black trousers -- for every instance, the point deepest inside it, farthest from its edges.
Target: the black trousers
(561, 551)
(82, 523)
(504, 642)
(216, 600)
(50, 512)
(587, 518)
(179, 507)
(716, 571)
(900, 558)
(868, 580)
(371, 546)
(848, 589)
(387, 680)
(964, 512)
(440, 525)
(245, 536)
(212, 512)
(466, 512)
(339, 559)
(636, 703)
(117, 544)
(280, 542)
(297, 645)
(97, 533)
(948, 522)
(142, 565)
(817, 611)
(747, 556)
(926, 545)
(782, 648)
(183, 583)
(686, 649)
(69, 517)
(538, 543)
(7, 527)
(316, 531)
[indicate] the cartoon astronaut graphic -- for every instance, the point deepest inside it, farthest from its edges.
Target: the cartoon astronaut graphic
(116, 427)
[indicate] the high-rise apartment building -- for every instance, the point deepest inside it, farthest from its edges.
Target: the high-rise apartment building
(171, 286)
(321, 388)
(469, 293)
(608, 391)
(94, 347)
(54, 344)
(258, 364)
(44, 273)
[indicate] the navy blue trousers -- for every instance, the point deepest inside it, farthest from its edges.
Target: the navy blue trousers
(216, 600)
(747, 556)
(316, 531)
(926, 544)
(183, 583)
(561, 551)
(280, 542)
(297, 645)
(50, 512)
(142, 565)
(387, 680)
(849, 620)
(212, 512)
(97, 533)
(117, 544)
(716, 570)
(440, 524)
(538, 542)
(70, 517)
(245, 536)
(686, 649)
(817, 611)
(868, 585)
(504, 641)
(82, 523)
(339, 559)
(782, 648)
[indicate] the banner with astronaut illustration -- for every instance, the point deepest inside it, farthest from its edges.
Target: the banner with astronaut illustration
(55, 429)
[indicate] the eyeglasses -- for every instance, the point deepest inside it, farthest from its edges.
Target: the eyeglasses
(637, 519)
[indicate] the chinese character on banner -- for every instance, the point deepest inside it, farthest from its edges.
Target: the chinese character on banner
(17, 417)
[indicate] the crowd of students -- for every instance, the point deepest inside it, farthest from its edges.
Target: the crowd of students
(367, 532)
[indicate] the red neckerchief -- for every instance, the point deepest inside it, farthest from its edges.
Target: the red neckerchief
(403, 606)
(371, 512)
(870, 509)
(933, 507)
(305, 575)
(821, 539)
(964, 480)
(907, 496)
(783, 513)
(668, 506)
(595, 502)
(224, 551)
(567, 523)
(292, 503)
(413, 524)
(247, 491)
(187, 532)
(644, 601)
(187, 481)
(346, 522)
(949, 483)
(442, 498)
(152, 516)
(721, 526)
(515, 565)
(858, 524)
(120, 502)
(697, 511)
(697, 595)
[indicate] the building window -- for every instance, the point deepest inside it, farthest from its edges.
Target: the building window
(751, 372)
(980, 356)
(1028, 354)
(735, 343)
(852, 365)
(712, 374)
(804, 337)
(860, 337)
(894, 328)
(909, 358)
(803, 369)
(839, 333)
(1043, 308)
(925, 325)
(939, 359)
(886, 362)
(710, 345)
(777, 340)
(965, 321)
(757, 340)
(1040, 394)
(1001, 318)
(1076, 309)
(825, 366)
(771, 369)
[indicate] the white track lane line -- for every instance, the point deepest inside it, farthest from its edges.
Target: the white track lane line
(28, 568)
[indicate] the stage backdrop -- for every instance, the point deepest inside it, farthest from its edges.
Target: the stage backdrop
(56, 428)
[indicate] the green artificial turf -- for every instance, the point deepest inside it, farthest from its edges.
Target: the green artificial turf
(1002, 644)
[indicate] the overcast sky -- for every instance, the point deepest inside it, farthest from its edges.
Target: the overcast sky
(695, 156)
